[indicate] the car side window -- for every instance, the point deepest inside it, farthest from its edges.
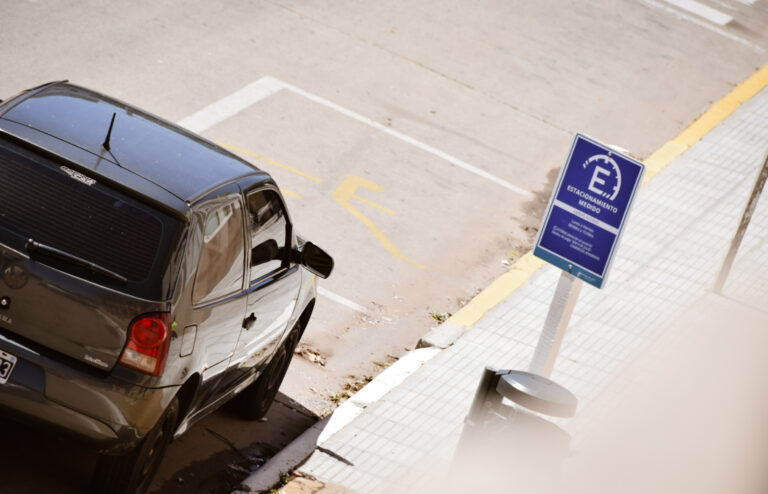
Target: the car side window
(268, 230)
(220, 269)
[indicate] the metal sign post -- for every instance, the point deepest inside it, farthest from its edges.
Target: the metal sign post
(749, 210)
(581, 231)
(560, 310)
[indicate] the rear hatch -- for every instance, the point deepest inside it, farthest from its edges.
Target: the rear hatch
(80, 260)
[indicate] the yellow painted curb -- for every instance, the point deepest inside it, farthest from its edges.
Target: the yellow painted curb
(705, 123)
(523, 269)
(500, 289)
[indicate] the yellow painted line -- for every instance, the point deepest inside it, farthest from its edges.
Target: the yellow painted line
(705, 123)
(270, 161)
(345, 192)
(290, 193)
(517, 276)
(527, 265)
(662, 157)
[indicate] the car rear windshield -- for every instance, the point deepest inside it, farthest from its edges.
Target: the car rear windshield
(58, 207)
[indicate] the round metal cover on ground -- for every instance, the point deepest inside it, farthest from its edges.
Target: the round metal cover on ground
(537, 393)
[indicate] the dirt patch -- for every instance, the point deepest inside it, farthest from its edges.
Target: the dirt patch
(352, 386)
(313, 356)
(533, 214)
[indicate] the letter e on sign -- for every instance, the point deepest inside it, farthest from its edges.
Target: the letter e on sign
(597, 180)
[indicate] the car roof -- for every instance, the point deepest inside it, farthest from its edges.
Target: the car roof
(171, 157)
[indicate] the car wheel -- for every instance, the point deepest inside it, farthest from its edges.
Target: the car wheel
(133, 472)
(254, 402)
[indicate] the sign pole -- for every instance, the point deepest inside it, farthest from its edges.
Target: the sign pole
(757, 190)
(556, 324)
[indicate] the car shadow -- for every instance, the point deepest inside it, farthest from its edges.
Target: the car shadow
(213, 456)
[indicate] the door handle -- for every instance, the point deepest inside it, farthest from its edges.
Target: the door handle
(248, 321)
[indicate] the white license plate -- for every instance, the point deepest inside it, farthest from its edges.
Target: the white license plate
(7, 363)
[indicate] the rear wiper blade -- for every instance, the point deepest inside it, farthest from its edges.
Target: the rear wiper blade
(33, 246)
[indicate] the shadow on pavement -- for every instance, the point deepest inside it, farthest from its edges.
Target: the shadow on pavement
(214, 456)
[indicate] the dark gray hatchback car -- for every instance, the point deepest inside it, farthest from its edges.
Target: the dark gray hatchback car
(148, 276)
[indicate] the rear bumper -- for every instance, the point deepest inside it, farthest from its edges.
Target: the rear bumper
(31, 406)
(110, 414)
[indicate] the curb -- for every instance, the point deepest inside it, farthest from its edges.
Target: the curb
(285, 461)
(303, 446)
(455, 326)
(443, 336)
(708, 120)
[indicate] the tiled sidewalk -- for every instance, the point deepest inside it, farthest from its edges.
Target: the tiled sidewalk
(677, 236)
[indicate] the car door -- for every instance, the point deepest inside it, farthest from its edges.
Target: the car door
(273, 280)
(218, 296)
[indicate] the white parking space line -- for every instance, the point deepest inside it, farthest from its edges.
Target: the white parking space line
(706, 25)
(340, 300)
(231, 105)
(266, 86)
(702, 10)
(410, 140)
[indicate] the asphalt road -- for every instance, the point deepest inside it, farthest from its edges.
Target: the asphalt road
(415, 141)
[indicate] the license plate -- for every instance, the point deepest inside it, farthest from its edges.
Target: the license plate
(7, 363)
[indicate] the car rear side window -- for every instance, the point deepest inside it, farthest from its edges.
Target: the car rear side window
(221, 266)
(57, 206)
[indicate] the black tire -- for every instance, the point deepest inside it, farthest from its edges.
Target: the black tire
(132, 473)
(254, 402)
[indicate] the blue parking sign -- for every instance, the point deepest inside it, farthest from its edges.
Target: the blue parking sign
(588, 210)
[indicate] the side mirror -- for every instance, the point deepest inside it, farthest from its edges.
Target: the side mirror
(316, 260)
(264, 252)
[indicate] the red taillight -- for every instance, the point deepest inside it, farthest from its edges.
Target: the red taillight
(148, 341)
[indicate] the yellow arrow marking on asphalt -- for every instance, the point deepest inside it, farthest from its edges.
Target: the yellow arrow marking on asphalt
(345, 192)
